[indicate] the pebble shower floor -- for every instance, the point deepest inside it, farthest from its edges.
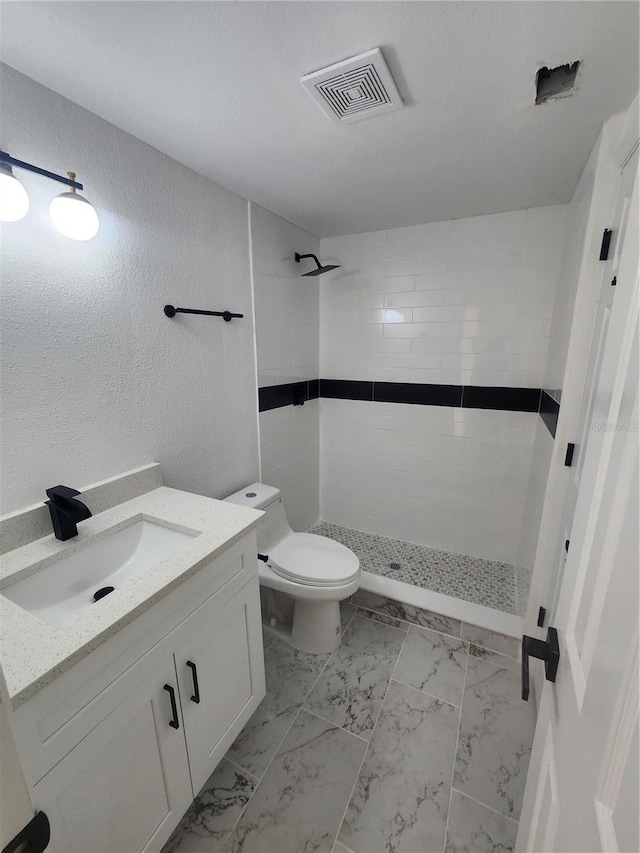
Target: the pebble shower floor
(498, 585)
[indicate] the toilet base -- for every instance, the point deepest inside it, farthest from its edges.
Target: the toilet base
(314, 627)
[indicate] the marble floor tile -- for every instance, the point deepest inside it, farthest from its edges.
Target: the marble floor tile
(406, 612)
(299, 804)
(503, 661)
(491, 640)
(433, 663)
(347, 612)
(213, 813)
(290, 675)
(496, 732)
(401, 799)
(382, 617)
(472, 828)
(340, 848)
(350, 691)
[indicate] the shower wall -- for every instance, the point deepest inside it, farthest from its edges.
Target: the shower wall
(459, 303)
(286, 317)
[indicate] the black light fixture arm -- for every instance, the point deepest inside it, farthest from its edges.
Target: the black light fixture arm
(227, 316)
(21, 164)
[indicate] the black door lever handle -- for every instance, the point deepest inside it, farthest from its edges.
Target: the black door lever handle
(548, 651)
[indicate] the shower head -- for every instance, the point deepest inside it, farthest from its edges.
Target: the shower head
(321, 269)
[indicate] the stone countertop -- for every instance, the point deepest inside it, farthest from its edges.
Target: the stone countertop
(33, 653)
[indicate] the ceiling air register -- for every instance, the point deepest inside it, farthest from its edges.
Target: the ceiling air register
(354, 89)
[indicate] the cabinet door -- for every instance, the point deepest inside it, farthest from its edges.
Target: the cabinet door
(126, 785)
(221, 676)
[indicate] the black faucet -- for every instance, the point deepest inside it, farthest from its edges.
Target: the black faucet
(66, 511)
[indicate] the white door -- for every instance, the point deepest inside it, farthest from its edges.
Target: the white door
(126, 785)
(609, 274)
(221, 677)
(582, 787)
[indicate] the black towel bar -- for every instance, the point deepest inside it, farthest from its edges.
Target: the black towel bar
(170, 311)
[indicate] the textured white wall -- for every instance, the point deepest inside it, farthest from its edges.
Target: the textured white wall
(466, 302)
(287, 318)
(96, 380)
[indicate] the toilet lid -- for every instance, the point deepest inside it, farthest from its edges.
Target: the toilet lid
(314, 560)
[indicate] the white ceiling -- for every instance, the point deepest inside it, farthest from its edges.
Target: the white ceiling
(216, 86)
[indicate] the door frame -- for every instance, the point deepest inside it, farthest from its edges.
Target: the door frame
(616, 144)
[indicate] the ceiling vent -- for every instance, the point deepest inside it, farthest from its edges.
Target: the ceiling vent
(355, 89)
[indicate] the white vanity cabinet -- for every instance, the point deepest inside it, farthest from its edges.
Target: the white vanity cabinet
(117, 761)
(216, 682)
(126, 785)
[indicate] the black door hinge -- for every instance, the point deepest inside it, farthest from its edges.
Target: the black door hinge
(606, 242)
(568, 458)
(542, 612)
(566, 545)
(614, 281)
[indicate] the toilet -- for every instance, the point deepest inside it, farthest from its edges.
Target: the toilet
(304, 577)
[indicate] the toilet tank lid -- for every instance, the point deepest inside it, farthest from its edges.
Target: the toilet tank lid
(257, 496)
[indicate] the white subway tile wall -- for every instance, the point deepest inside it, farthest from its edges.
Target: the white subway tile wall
(286, 304)
(287, 328)
(467, 302)
(289, 444)
(450, 478)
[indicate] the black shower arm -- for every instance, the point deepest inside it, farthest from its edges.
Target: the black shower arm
(310, 255)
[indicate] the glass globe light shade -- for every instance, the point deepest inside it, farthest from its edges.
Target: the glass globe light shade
(14, 201)
(74, 216)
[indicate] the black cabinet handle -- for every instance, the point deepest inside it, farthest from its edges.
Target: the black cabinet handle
(196, 690)
(174, 723)
(548, 651)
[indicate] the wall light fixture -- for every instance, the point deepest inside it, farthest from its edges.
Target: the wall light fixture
(14, 201)
(70, 212)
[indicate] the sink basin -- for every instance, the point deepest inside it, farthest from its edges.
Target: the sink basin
(63, 589)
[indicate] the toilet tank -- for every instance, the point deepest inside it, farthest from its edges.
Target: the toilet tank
(273, 527)
(256, 496)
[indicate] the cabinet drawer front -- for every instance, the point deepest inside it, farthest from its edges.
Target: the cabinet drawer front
(221, 677)
(55, 720)
(126, 785)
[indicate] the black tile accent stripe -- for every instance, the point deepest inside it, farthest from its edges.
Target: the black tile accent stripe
(549, 410)
(504, 399)
(314, 389)
(346, 389)
(421, 394)
(467, 396)
(276, 396)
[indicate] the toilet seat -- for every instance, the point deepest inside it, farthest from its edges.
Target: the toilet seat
(312, 560)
